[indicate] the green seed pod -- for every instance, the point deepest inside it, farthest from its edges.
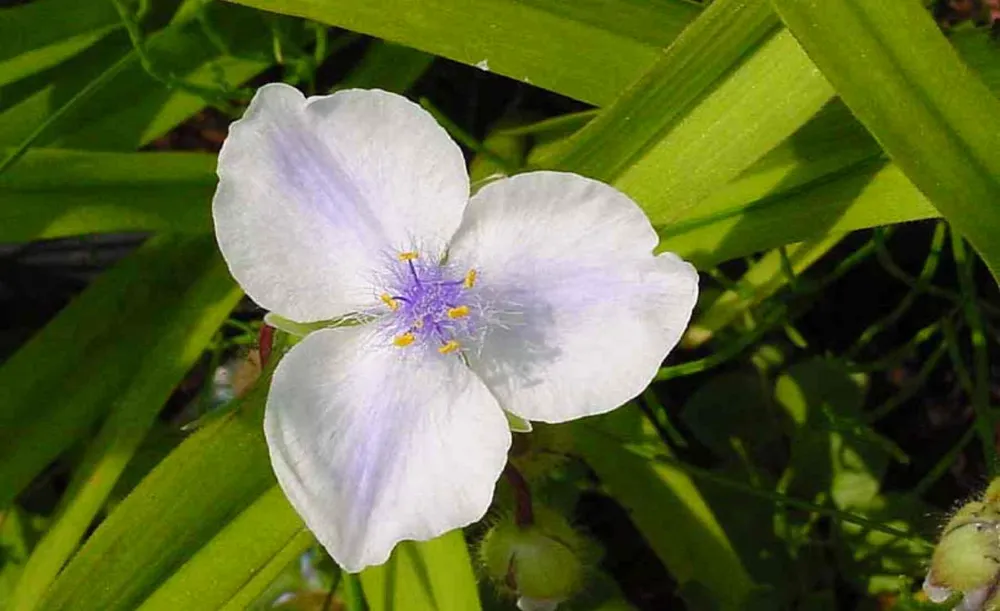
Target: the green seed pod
(542, 562)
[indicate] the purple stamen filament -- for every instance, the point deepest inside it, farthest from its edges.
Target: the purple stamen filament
(428, 306)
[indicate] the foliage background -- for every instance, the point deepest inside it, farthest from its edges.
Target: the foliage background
(835, 396)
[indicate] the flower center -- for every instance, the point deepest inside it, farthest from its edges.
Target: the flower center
(430, 304)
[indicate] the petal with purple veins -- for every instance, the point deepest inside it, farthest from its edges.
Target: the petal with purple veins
(375, 446)
(312, 192)
(583, 313)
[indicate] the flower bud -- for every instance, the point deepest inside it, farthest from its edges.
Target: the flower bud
(544, 563)
(967, 558)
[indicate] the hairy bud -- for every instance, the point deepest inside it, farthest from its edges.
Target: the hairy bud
(966, 560)
(543, 563)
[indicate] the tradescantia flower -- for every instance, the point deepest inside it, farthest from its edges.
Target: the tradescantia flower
(540, 296)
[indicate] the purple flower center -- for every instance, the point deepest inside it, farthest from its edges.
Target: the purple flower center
(430, 304)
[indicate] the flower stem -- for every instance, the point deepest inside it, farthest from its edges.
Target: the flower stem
(266, 339)
(524, 515)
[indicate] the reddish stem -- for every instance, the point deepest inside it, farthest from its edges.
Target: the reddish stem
(266, 341)
(524, 515)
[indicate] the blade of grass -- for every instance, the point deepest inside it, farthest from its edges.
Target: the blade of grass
(218, 573)
(266, 574)
(161, 367)
(40, 34)
(181, 505)
(69, 374)
(664, 504)
(81, 102)
(54, 193)
(435, 574)
(919, 100)
(668, 146)
(562, 47)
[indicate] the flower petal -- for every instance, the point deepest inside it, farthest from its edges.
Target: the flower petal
(934, 592)
(374, 446)
(525, 603)
(975, 600)
(585, 312)
(312, 192)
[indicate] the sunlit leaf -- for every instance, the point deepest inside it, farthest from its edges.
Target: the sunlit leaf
(919, 100)
(435, 574)
(183, 504)
(160, 365)
(41, 34)
(69, 374)
(663, 503)
(557, 46)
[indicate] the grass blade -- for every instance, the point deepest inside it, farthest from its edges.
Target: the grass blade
(917, 98)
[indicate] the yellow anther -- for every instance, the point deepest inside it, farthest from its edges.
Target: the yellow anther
(389, 301)
(408, 256)
(404, 340)
(459, 312)
(449, 347)
(470, 279)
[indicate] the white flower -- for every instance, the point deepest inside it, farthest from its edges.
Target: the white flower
(539, 296)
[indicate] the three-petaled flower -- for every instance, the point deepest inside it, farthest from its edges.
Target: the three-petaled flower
(540, 296)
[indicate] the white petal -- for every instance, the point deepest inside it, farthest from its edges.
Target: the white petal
(975, 600)
(374, 446)
(536, 604)
(313, 192)
(586, 313)
(936, 593)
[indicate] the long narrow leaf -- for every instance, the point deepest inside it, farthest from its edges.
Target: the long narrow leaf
(665, 505)
(218, 572)
(187, 499)
(67, 376)
(901, 78)
(559, 46)
(435, 574)
(39, 35)
(166, 359)
(54, 193)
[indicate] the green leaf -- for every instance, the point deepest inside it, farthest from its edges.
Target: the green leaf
(225, 571)
(917, 98)
(435, 574)
(704, 53)
(206, 483)
(866, 195)
(670, 146)
(663, 503)
(55, 193)
(167, 357)
(16, 539)
(102, 119)
(568, 48)
(833, 452)
(731, 407)
(388, 66)
(264, 576)
(67, 376)
(875, 561)
(41, 34)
